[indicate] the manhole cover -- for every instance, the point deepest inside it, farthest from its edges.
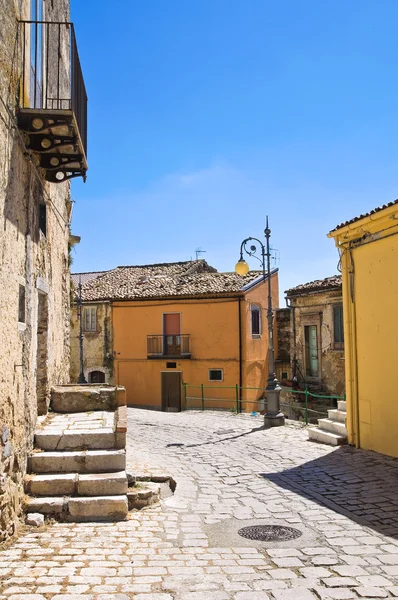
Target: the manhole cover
(269, 533)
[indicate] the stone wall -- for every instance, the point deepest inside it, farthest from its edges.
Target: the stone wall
(34, 276)
(317, 309)
(97, 345)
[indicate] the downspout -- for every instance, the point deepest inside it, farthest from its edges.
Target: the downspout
(240, 353)
(352, 371)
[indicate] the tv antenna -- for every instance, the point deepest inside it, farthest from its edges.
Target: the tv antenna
(199, 251)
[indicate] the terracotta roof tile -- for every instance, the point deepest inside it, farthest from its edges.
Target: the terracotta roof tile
(371, 212)
(191, 278)
(85, 277)
(319, 285)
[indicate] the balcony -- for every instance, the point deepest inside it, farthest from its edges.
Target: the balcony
(169, 346)
(52, 109)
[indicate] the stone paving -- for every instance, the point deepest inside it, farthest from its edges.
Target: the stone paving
(230, 473)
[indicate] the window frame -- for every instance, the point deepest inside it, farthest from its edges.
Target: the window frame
(220, 370)
(255, 308)
(90, 310)
(338, 345)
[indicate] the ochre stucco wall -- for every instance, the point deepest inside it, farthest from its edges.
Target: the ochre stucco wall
(370, 291)
(214, 338)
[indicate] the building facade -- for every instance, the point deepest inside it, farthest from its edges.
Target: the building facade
(310, 348)
(35, 210)
(175, 328)
(368, 248)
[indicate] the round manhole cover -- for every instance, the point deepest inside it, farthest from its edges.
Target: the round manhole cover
(269, 533)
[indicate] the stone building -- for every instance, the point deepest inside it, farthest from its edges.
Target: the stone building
(97, 333)
(40, 149)
(310, 347)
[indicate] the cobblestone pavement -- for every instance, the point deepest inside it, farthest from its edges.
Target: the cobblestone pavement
(230, 473)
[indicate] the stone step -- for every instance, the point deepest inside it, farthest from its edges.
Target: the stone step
(342, 405)
(325, 437)
(332, 426)
(85, 461)
(69, 484)
(94, 508)
(83, 398)
(97, 439)
(337, 415)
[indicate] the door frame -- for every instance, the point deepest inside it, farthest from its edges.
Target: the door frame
(161, 387)
(308, 319)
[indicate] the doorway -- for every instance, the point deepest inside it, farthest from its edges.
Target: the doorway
(42, 387)
(171, 334)
(311, 350)
(171, 391)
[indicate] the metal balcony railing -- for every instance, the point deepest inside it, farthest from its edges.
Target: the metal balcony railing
(53, 98)
(170, 346)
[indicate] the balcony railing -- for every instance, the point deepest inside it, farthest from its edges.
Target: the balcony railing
(168, 346)
(53, 100)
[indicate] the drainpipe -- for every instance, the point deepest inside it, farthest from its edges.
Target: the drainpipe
(240, 353)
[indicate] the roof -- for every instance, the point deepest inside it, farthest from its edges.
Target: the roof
(166, 280)
(85, 277)
(368, 214)
(319, 285)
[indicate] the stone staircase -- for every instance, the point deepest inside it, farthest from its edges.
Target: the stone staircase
(76, 471)
(332, 430)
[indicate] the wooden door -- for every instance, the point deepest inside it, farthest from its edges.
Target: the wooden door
(171, 392)
(311, 344)
(171, 334)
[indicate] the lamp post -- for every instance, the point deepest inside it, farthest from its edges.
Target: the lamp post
(273, 417)
(81, 378)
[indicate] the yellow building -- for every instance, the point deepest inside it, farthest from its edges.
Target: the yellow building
(185, 323)
(368, 246)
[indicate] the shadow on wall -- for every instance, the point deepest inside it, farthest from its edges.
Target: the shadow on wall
(358, 484)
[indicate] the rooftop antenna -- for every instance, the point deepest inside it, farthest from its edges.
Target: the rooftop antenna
(275, 256)
(199, 251)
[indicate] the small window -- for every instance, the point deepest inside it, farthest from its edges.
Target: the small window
(21, 304)
(171, 365)
(216, 375)
(43, 218)
(338, 327)
(96, 377)
(90, 318)
(256, 321)
(284, 375)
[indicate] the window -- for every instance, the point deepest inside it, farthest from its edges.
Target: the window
(171, 365)
(90, 318)
(216, 375)
(43, 218)
(96, 377)
(21, 304)
(256, 321)
(338, 327)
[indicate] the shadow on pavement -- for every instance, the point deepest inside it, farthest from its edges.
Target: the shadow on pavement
(359, 484)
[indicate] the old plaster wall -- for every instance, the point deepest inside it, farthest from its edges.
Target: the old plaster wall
(37, 262)
(97, 345)
(317, 309)
(283, 324)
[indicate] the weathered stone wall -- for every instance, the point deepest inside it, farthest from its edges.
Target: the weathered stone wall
(39, 263)
(283, 334)
(97, 345)
(317, 309)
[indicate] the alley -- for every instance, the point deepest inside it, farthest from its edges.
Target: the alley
(230, 474)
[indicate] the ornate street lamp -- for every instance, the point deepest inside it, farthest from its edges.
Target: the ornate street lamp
(81, 378)
(273, 417)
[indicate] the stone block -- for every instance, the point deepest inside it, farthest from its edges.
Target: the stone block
(51, 485)
(83, 398)
(46, 506)
(113, 508)
(121, 419)
(101, 461)
(35, 519)
(102, 484)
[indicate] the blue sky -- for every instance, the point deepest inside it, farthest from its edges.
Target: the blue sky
(206, 115)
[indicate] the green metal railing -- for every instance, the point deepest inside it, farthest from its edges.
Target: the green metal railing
(235, 401)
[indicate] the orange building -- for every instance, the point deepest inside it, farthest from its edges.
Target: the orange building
(183, 332)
